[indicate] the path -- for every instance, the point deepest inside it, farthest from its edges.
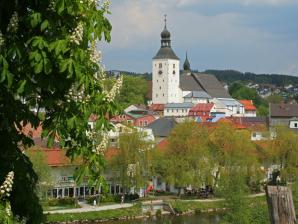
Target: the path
(89, 208)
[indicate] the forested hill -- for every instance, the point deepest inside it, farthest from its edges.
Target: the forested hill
(230, 76)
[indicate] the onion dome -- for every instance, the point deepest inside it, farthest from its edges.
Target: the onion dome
(165, 34)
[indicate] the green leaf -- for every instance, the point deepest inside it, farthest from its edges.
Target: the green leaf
(35, 19)
(50, 141)
(9, 77)
(20, 90)
(44, 25)
(38, 67)
(3, 75)
(63, 66)
(47, 66)
(60, 6)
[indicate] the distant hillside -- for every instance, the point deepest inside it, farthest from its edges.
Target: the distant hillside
(230, 76)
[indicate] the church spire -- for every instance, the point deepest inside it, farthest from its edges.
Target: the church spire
(186, 65)
(165, 35)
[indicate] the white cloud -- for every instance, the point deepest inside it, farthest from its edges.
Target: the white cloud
(221, 40)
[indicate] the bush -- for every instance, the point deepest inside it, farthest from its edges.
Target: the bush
(61, 201)
(158, 212)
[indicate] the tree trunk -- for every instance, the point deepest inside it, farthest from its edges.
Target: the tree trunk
(280, 205)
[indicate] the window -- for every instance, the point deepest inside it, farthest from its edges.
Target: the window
(177, 110)
(55, 193)
(145, 123)
(141, 123)
(174, 72)
(174, 66)
(295, 125)
(157, 80)
(160, 87)
(163, 94)
(60, 193)
(163, 80)
(65, 192)
(160, 65)
(168, 110)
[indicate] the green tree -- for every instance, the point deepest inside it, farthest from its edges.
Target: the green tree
(48, 61)
(42, 169)
(242, 209)
(133, 91)
(274, 99)
(133, 161)
(284, 148)
(232, 148)
(188, 159)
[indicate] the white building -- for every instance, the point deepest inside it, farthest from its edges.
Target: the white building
(177, 109)
(165, 73)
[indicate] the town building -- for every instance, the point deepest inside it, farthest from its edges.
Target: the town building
(283, 115)
(249, 109)
(170, 88)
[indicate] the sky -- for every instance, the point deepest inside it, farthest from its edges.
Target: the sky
(259, 36)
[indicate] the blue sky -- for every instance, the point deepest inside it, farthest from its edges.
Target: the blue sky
(259, 36)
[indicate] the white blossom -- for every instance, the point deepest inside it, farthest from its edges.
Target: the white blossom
(106, 5)
(77, 35)
(51, 6)
(13, 23)
(6, 187)
(110, 96)
(131, 170)
(2, 41)
(101, 148)
(8, 209)
(95, 55)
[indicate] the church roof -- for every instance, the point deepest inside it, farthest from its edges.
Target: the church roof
(188, 83)
(166, 53)
(211, 85)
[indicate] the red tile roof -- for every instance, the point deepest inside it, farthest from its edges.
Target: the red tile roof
(248, 105)
(162, 145)
(57, 157)
(157, 107)
(202, 107)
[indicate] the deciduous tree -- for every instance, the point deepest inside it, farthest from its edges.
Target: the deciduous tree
(49, 64)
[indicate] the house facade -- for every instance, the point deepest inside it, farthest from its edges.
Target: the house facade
(285, 115)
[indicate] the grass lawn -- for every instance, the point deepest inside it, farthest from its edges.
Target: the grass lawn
(60, 207)
(96, 215)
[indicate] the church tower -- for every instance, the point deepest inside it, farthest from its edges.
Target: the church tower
(165, 72)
